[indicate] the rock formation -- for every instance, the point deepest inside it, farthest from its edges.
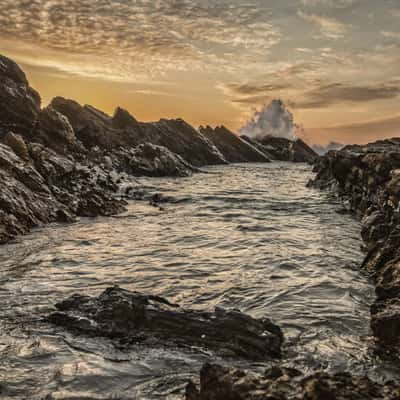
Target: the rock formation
(137, 318)
(282, 149)
(368, 179)
(59, 162)
(277, 383)
(94, 128)
(233, 148)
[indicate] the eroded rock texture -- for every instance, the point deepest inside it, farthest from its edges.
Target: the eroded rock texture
(277, 383)
(368, 179)
(135, 317)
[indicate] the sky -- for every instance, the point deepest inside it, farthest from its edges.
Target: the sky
(335, 63)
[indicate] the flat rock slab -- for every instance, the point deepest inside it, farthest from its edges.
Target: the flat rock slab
(222, 383)
(138, 318)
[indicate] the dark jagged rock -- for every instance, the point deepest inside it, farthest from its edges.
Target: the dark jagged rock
(368, 179)
(49, 187)
(95, 128)
(233, 148)
(92, 127)
(152, 160)
(255, 143)
(283, 149)
(182, 139)
(277, 383)
(135, 317)
(17, 144)
(19, 103)
(54, 131)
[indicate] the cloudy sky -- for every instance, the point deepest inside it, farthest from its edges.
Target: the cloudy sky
(335, 63)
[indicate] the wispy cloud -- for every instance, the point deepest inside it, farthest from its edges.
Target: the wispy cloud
(125, 37)
(335, 93)
(329, 27)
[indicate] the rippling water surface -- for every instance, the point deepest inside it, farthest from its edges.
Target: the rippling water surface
(251, 237)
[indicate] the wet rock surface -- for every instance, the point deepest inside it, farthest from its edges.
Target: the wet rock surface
(133, 317)
(221, 383)
(368, 179)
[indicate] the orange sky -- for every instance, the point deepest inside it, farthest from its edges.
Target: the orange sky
(335, 63)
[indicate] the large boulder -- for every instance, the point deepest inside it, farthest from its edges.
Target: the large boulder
(233, 148)
(136, 317)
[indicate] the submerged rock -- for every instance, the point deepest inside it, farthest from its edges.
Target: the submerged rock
(277, 383)
(135, 317)
(367, 177)
(233, 148)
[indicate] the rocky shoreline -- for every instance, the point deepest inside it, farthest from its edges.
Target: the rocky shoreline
(65, 160)
(367, 178)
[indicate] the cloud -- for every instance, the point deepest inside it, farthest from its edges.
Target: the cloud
(123, 37)
(390, 34)
(329, 3)
(337, 93)
(254, 88)
(329, 27)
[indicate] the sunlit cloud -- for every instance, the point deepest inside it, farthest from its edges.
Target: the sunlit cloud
(329, 27)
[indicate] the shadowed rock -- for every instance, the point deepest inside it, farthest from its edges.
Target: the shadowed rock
(233, 148)
(132, 316)
(283, 149)
(222, 383)
(19, 103)
(49, 187)
(94, 128)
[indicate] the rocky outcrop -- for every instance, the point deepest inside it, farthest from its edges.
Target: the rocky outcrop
(138, 318)
(283, 149)
(182, 139)
(277, 383)
(46, 187)
(368, 179)
(94, 128)
(152, 160)
(233, 148)
(19, 103)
